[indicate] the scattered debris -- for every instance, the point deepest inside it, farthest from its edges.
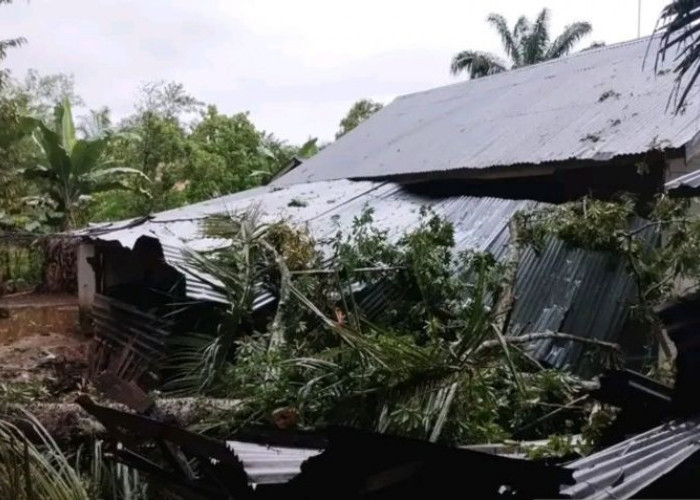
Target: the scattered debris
(297, 203)
(352, 464)
(608, 94)
(591, 137)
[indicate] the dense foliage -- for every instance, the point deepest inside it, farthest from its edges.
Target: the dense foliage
(661, 250)
(58, 171)
(397, 336)
(183, 152)
(33, 466)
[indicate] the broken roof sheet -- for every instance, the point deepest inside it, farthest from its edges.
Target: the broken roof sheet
(561, 289)
(266, 464)
(688, 184)
(592, 105)
(625, 469)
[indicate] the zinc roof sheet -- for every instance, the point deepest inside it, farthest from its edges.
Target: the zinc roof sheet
(592, 105)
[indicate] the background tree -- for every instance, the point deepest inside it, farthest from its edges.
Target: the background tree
(228, 154)
(14, 151)
(191, 152)
(74, 168)
(39, 93)
(359, 112)
(526, 43)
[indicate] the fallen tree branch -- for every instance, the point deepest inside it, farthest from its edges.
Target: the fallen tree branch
(506, 301)
(376, 269)
(531, 337)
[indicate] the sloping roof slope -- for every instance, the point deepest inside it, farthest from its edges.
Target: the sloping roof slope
(593, 105)
(561, 289)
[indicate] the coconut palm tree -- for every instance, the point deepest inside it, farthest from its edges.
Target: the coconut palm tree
(680, 31)
(74, 169)
(527, 43)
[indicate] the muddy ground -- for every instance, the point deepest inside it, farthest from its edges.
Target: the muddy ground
(42, 353)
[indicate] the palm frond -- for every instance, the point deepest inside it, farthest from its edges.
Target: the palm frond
(237, 271)
(536, 41)
(564, 43)
(10, 43)
(36, 469)
(476, 64)
(522, 27)
(509, 42)
(679, 26)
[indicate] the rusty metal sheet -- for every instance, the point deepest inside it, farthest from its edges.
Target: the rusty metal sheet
(123, 326)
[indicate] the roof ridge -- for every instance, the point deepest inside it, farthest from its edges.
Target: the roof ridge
(502, 74)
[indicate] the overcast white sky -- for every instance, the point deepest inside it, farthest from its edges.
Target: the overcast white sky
(297, 66)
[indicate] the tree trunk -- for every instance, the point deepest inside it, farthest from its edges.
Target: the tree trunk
(60, 265)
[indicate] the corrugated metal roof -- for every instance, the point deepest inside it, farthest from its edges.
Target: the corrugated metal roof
(561, 289)
(689, 183)
(627, 468)
(270, 464)
(592, 105)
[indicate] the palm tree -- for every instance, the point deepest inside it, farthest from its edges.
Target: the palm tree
(75, 168)
(527, 43)
(680, 31)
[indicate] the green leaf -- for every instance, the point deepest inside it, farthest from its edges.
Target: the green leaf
(85, 155)
(64, 125)
(50, 144)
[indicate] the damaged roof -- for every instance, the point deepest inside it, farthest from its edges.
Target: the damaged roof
(560, 289)
(685, 185)
(593, 105)
(627, 468)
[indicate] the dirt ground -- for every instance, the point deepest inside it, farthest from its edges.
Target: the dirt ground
(40, 343)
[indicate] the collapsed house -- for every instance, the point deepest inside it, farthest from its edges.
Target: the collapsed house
(594, 123)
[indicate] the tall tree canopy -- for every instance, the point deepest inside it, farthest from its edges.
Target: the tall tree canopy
(359, 112)
(526, 43)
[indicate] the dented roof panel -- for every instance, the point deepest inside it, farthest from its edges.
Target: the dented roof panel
(592, 105)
